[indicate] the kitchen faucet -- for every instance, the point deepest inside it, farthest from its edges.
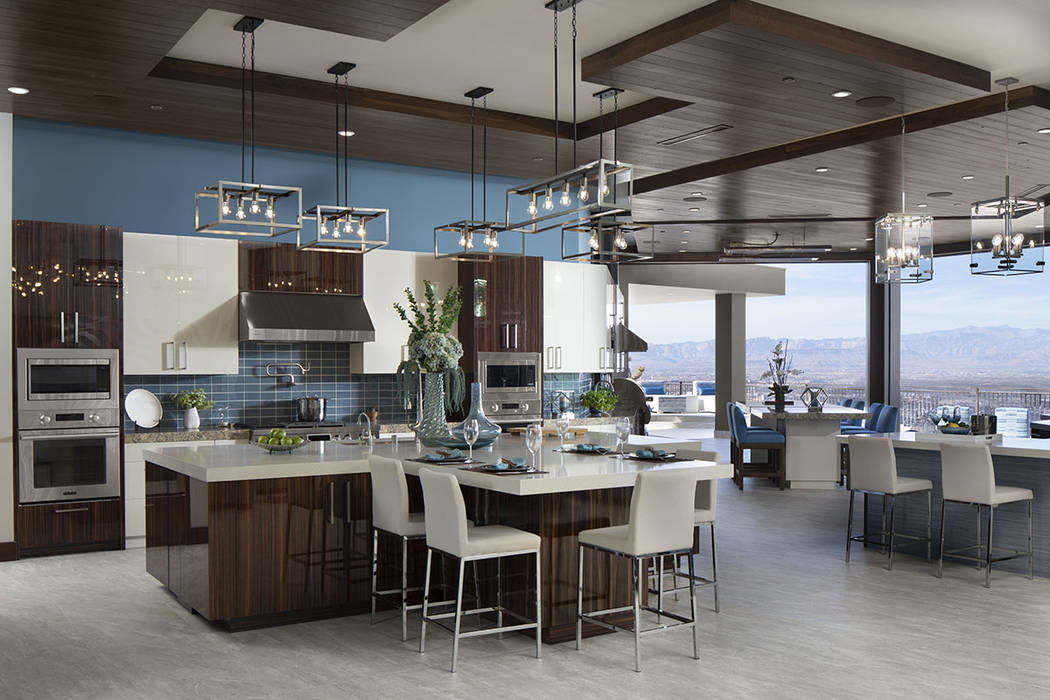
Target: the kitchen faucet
(368, 422)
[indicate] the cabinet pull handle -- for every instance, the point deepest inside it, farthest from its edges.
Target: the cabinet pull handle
(71, 510)
(62, 326)
(185, 355)
(515, 336)
(601, 358)
(331, 503)
(557, 357)
(76, 327)
(348, 502)
(164, 347)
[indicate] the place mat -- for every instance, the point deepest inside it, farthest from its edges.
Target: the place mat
(665, 460)
(481, 469)
(568, 451)
(432, 462)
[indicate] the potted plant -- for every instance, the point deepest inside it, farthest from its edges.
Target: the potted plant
(192, 402)
(600, 400)
(779, 373)
(434, 352)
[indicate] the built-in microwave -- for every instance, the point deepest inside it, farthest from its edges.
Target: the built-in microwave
(511, 385)
(55, 385)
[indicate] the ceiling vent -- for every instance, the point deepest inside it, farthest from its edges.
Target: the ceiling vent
(699, 133)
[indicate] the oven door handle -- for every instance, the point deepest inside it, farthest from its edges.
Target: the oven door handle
(68, 434)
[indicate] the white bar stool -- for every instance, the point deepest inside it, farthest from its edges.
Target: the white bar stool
(703, 514)
(661, 524)
(390, 516)
(968, 477)
(447, 532)
(873, 469)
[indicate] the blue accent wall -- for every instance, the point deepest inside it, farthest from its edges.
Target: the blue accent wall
(145, 182)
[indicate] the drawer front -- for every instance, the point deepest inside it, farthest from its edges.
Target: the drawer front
(70, 524)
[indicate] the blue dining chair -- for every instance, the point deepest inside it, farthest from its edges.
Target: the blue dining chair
(744, 437)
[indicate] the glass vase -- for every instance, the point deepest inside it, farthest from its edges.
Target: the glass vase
(433, 429)
(489, 431)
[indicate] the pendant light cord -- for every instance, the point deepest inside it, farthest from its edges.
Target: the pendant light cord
(346, 140)
(556, 93)
(472, 130)
(484, 156)
(244, 78)
(1006, 118)
(253, 108)
(601, 127)
(904, 129)
(574, 85)
(338, 146)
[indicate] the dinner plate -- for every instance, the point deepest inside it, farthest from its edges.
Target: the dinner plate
(143, 407)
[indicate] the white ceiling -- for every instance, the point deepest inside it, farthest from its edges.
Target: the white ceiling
(503, 44)
(644, 294)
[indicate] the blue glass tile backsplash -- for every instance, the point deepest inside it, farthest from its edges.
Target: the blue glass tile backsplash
(260, 401)
(571, 383)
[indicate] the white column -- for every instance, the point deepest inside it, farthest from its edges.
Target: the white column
(730, 355)
(7, 452)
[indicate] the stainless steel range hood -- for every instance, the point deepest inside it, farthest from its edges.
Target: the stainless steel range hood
(627, 340)
(283, 317)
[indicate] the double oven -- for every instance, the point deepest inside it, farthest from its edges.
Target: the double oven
(68, 407)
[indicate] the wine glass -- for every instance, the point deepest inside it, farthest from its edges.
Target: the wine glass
(470, 435)
(533, 441)
(623, 429)
(562, 425)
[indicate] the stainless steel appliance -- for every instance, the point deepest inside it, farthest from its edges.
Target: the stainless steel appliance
(68, 424)
(511, 386)
(287, 317)
(311, 409)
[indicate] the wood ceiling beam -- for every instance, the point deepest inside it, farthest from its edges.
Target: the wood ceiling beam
(323, 91)
(631, 114)
(1029, 96)
(787, 24)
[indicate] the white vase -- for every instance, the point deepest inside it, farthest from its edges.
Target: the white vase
(191, 419)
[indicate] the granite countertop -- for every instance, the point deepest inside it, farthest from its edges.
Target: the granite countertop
(207, 434)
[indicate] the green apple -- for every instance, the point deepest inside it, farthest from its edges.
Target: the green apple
(287, 441)
(277, 433)
(296, 440)
(264, 440)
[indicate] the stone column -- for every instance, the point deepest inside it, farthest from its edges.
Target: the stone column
(730, 355)
(884, 341)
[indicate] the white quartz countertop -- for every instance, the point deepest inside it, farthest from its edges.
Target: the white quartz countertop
(802, 413)
(564, 472)
(1033, 448)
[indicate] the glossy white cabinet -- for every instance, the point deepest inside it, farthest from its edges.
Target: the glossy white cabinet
(180, 305)
(386, 275)
(575, 330)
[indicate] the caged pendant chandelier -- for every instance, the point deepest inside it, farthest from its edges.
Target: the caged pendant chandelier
(1006, 233)
(246, 208)
(339, 227)
(474, 239)
(903, 242)
(575, 196)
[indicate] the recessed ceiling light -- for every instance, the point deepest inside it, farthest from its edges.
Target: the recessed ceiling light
(681, 250)
(822, 169)
(537, 158)
(694, 198)
(814, 259)
(156, 108)
(686, 231)
(939, 193)
(788, 79)
(683, 242)
(852, 248)
(1044, 130)
(696, 194)
(922, 206)
(842, 93)
(694, 208)
(18, 90)
(967, 177)
(870, 239)
(345, 133)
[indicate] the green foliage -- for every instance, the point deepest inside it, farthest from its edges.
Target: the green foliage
(192, 399)
(601, 400)
(431, 345)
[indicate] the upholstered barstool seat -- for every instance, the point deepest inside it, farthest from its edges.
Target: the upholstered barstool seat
(909, 484)
(968, 478)
(660, 524)
(448, 533)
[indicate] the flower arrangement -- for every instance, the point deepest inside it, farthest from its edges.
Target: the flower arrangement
(431, 345)
(780, 372)
(192, 399)
(600, 400)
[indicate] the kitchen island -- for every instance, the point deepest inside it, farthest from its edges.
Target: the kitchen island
(1023, 462)
(812, 452)
(250, 539)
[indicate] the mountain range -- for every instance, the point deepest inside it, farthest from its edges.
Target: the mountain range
(969, 356)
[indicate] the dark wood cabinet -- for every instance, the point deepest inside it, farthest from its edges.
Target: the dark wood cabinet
(285, 268)
(68, 527)
(67, 285)
(502, 307)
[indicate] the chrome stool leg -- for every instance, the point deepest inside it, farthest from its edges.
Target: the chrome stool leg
(539, 609)
(893, 507)
(692, 608)
(499, 593)
(979, 545)
(375, 564)
(579, 600)
(636, 595)
(426, 601)
(988, 563)
(459, 616)
(940, 558)
(714, 565)
(849, 525)
(404, 589)
(1031, 561)
(929, 524)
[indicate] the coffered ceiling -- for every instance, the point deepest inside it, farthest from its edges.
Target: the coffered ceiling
(686, 65)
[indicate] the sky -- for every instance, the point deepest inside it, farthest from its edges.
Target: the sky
(825, 300)
(822, 301)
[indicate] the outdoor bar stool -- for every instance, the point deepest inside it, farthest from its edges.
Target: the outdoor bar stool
(703, 514)
(873, 469)
(390, 516)
(660, 524)
(968, 476)
(744, 437)
(448, 533)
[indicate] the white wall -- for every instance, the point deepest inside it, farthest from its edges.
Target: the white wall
(7, 453)
(754, 280)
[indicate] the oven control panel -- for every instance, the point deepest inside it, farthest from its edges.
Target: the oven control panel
(52, 419)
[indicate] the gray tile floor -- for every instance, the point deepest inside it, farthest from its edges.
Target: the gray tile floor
(796, 622)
